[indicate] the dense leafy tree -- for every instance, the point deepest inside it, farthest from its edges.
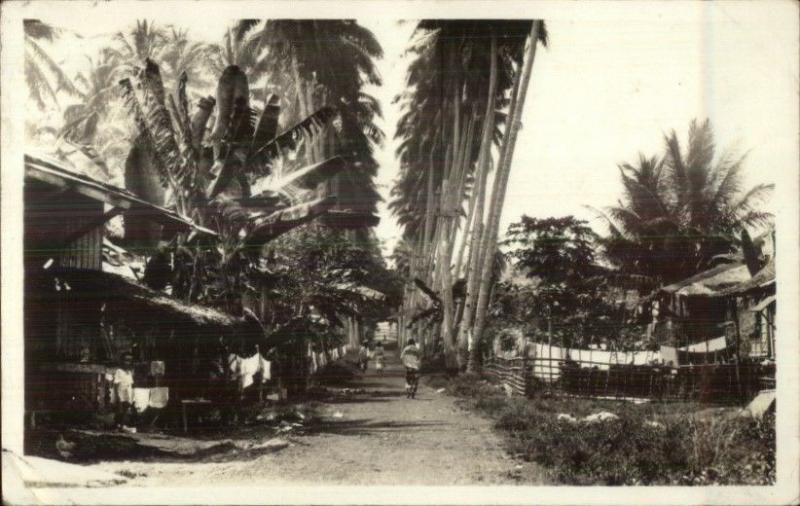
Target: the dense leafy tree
(556, 250)
(568, 287)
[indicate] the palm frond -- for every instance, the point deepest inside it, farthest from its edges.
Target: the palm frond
(62, 81)
(291, 137)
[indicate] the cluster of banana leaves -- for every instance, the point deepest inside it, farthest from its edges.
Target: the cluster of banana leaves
(208, 177)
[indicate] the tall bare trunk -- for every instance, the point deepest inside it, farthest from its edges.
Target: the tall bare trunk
(452, 217)
(501, 183)
(468, 223)
(444, 281)
(482, 172)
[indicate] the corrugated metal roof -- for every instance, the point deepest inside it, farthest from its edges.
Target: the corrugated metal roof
(53, 172)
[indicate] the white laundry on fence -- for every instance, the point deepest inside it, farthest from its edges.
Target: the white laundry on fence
(249, 367)
(141, 399)
(156, 397)
(265, 368)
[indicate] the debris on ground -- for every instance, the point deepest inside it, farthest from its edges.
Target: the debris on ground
(602, 416)
(654, 424)
(440, 390)
(271, 444)
(762, 404)
(338, 414)
(564, 417)
(270, 416)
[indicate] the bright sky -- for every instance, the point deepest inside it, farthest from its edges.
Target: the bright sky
(616, 78)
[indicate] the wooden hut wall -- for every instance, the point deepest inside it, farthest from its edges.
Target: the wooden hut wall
(754, 329)
(51, 219)
(702, 317)
(60, 322)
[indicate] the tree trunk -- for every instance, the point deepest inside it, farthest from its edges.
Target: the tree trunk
(481, 176)
(452, 218)
(500, 185)
(444, 281)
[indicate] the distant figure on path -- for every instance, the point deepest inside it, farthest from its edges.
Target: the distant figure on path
(123, 390)
(379, 359)
(411, 360)
(363, 357)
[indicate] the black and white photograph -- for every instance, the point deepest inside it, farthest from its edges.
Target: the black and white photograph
(400, 252)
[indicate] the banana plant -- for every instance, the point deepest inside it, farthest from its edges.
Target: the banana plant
(208, 177)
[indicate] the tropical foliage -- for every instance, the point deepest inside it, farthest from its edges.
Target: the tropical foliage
(316, 63)
(44, 76)
(453, 113)
(681, 210)
(569, 298)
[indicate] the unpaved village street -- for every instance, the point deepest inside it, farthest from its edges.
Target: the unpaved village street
(373, 437)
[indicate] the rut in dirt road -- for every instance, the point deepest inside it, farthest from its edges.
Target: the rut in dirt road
(376, 437)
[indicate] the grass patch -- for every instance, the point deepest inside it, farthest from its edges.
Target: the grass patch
(646, 444)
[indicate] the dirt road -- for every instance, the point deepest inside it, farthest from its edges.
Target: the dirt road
(374, 437)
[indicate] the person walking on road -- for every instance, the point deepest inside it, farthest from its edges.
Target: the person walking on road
(379, 358)
(410, 357)
(363, 357)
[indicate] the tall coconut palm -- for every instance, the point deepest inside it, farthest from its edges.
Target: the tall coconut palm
(96, 87)
(450, 120)
(241, 46)
(329, 62)
(45, 77)
(181, 54)
(521, 83)
(679, 212)
(134, 46)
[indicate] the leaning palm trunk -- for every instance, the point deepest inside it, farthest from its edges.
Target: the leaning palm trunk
(450, 200)
(479, 193)
(500, 185)
(448, 317)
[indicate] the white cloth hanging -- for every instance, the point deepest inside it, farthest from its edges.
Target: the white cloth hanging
(123, 385)
(141, 399)
(249, 367)
(265, 367)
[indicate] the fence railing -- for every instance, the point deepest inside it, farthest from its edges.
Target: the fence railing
(709, 383)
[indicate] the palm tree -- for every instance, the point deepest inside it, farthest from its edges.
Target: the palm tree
(44, 76)
(521, 84)
(96, 88)
(450, 120)
(679, 212)
(182, 55)
(143, 41)
(241, 46)
(329, 62)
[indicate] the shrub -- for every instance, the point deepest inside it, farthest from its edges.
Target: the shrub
(647, 444)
